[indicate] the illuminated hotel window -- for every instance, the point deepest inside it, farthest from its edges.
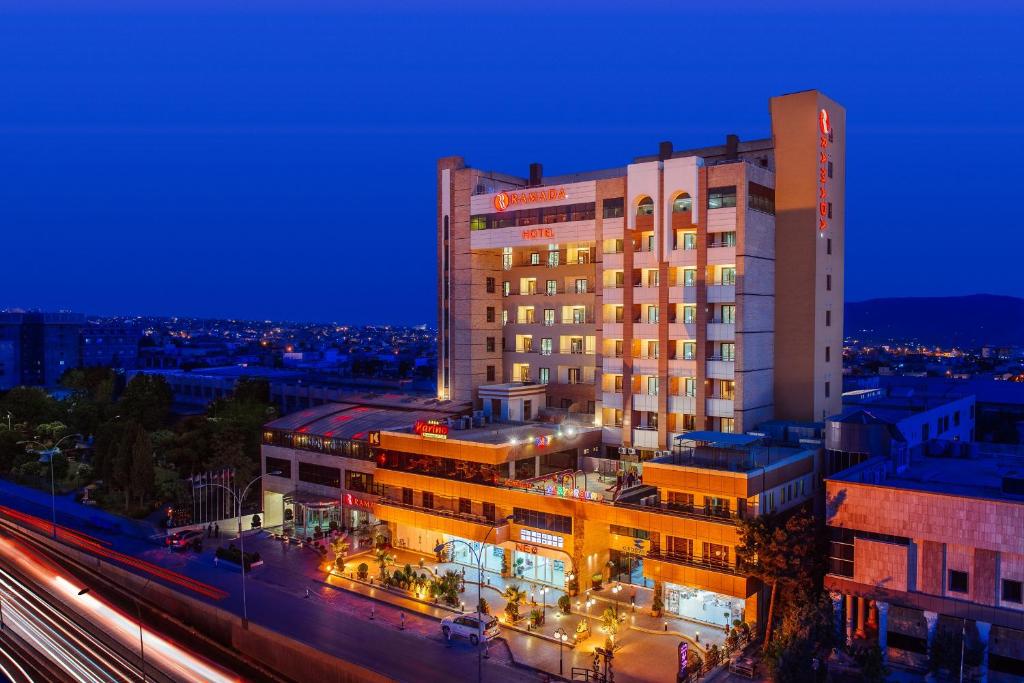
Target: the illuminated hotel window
(682, 203)
(543, 375)
(689, 277)
(534, 258)
(689, 350)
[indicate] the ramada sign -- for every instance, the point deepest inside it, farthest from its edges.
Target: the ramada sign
(431, 430)
(504, 200)
(826, 133)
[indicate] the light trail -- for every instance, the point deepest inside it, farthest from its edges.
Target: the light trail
(74, 649)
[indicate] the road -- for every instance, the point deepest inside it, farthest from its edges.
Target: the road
(335, 623)
(81, 633)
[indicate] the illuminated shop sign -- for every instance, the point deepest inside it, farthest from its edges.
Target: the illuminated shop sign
(431, 429)
(352, 501)
(552, 490)
(503, 200)
(825, 125)
(540, 537)
(538, 233)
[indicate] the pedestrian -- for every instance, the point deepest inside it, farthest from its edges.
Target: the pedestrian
(216, 561)
(209, 531)
(216, 529)
(403, 620)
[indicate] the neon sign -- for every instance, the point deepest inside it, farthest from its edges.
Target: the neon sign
(430, 429)
(352, 501)
(537, 233)
(825, 125)
(503, 200)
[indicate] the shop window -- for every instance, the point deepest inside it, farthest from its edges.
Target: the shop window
(957, 581)
(1012, 591)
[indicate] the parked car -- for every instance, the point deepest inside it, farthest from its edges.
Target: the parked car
(186, 540)
(471, 627)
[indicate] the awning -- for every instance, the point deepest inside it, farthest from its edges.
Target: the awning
(311, 499)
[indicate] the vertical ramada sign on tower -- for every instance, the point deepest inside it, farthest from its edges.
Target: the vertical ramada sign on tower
(825, 125)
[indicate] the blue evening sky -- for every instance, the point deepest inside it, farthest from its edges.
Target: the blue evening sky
(276, 159)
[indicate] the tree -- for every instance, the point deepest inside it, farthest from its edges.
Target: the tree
(147, 400)
(780, 551)
(383, 558)
(610, 623)
(514, 596)
(141, 471)
(30, 405)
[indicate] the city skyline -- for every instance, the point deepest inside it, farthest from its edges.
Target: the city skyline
(113, 180)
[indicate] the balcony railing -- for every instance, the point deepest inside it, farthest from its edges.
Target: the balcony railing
(711, 513)
(699, 562)
(451, 514)
(723, 359)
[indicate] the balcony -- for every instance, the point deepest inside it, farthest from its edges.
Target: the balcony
(721, 293)
(645, 437)
(463, 525)
(612, 329)
(679, 294)
(696, 562)
(721, 331)
(612, 295)
(611, 399)
(718, 368)
(720, 407)
(645, 259)
(686, 405)
(682, 330)
(645, 365)
(645, 401)
(612, 365)
(706, 513)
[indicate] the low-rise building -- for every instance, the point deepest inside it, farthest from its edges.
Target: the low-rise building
(937, 545)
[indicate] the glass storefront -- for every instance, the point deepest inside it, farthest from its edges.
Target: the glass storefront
(705, 606)
(628, 567)
(460, 554)
(535, 567)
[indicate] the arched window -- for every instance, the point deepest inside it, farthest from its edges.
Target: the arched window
(645, 207)
(682, 203)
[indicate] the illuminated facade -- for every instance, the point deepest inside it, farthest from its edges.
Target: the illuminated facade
(694, 290)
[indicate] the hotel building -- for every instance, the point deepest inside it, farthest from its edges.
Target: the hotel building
(607, 342)
(689, 290)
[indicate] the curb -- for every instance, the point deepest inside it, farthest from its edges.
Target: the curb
(694, 644)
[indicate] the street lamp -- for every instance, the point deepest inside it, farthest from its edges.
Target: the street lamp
(241, 537)
(479, 556)
(544, 601)
(142, 649)
(50, 452)
(562, 636)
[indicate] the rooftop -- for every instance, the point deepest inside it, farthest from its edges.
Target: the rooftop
(730, 452)
(350, 421)
(500, 433)
(976, 477)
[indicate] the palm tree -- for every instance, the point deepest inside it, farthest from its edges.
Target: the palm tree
(610, 623)
(514, 595)
(384, 558)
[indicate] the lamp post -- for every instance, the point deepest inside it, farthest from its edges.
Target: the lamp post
(51, 451)
(479, 556)
(239, 499)
(562, 636)
(142, 647)
(544, 602)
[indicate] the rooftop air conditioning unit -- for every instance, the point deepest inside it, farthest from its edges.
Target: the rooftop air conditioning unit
(622, 451)
(631, 451)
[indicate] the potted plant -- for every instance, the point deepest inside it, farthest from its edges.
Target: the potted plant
(597, 581)
(363, 570)
(536, 618)
(657, 606)
(504, 564)
(565, 604)
(339, 562)
(513, 595)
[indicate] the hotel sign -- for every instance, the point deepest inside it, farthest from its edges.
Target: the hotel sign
(431, 429)
(352, 501)
(538, 233)
(825, 126)
(504, 200)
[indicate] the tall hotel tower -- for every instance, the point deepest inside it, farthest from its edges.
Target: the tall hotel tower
(689, 290)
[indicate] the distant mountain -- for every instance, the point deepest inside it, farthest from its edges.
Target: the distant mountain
(972, 320)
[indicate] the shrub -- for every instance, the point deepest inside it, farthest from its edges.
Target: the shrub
(339, 562)
(713, 658)
(483, 607)
(398, 578)
(536, 618)
(363, 570)
(234, 555)
(565, 604)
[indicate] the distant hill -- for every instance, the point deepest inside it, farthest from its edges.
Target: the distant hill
(972, 320)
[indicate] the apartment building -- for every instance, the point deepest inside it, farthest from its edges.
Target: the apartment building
(934, 546)
(696, 290)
